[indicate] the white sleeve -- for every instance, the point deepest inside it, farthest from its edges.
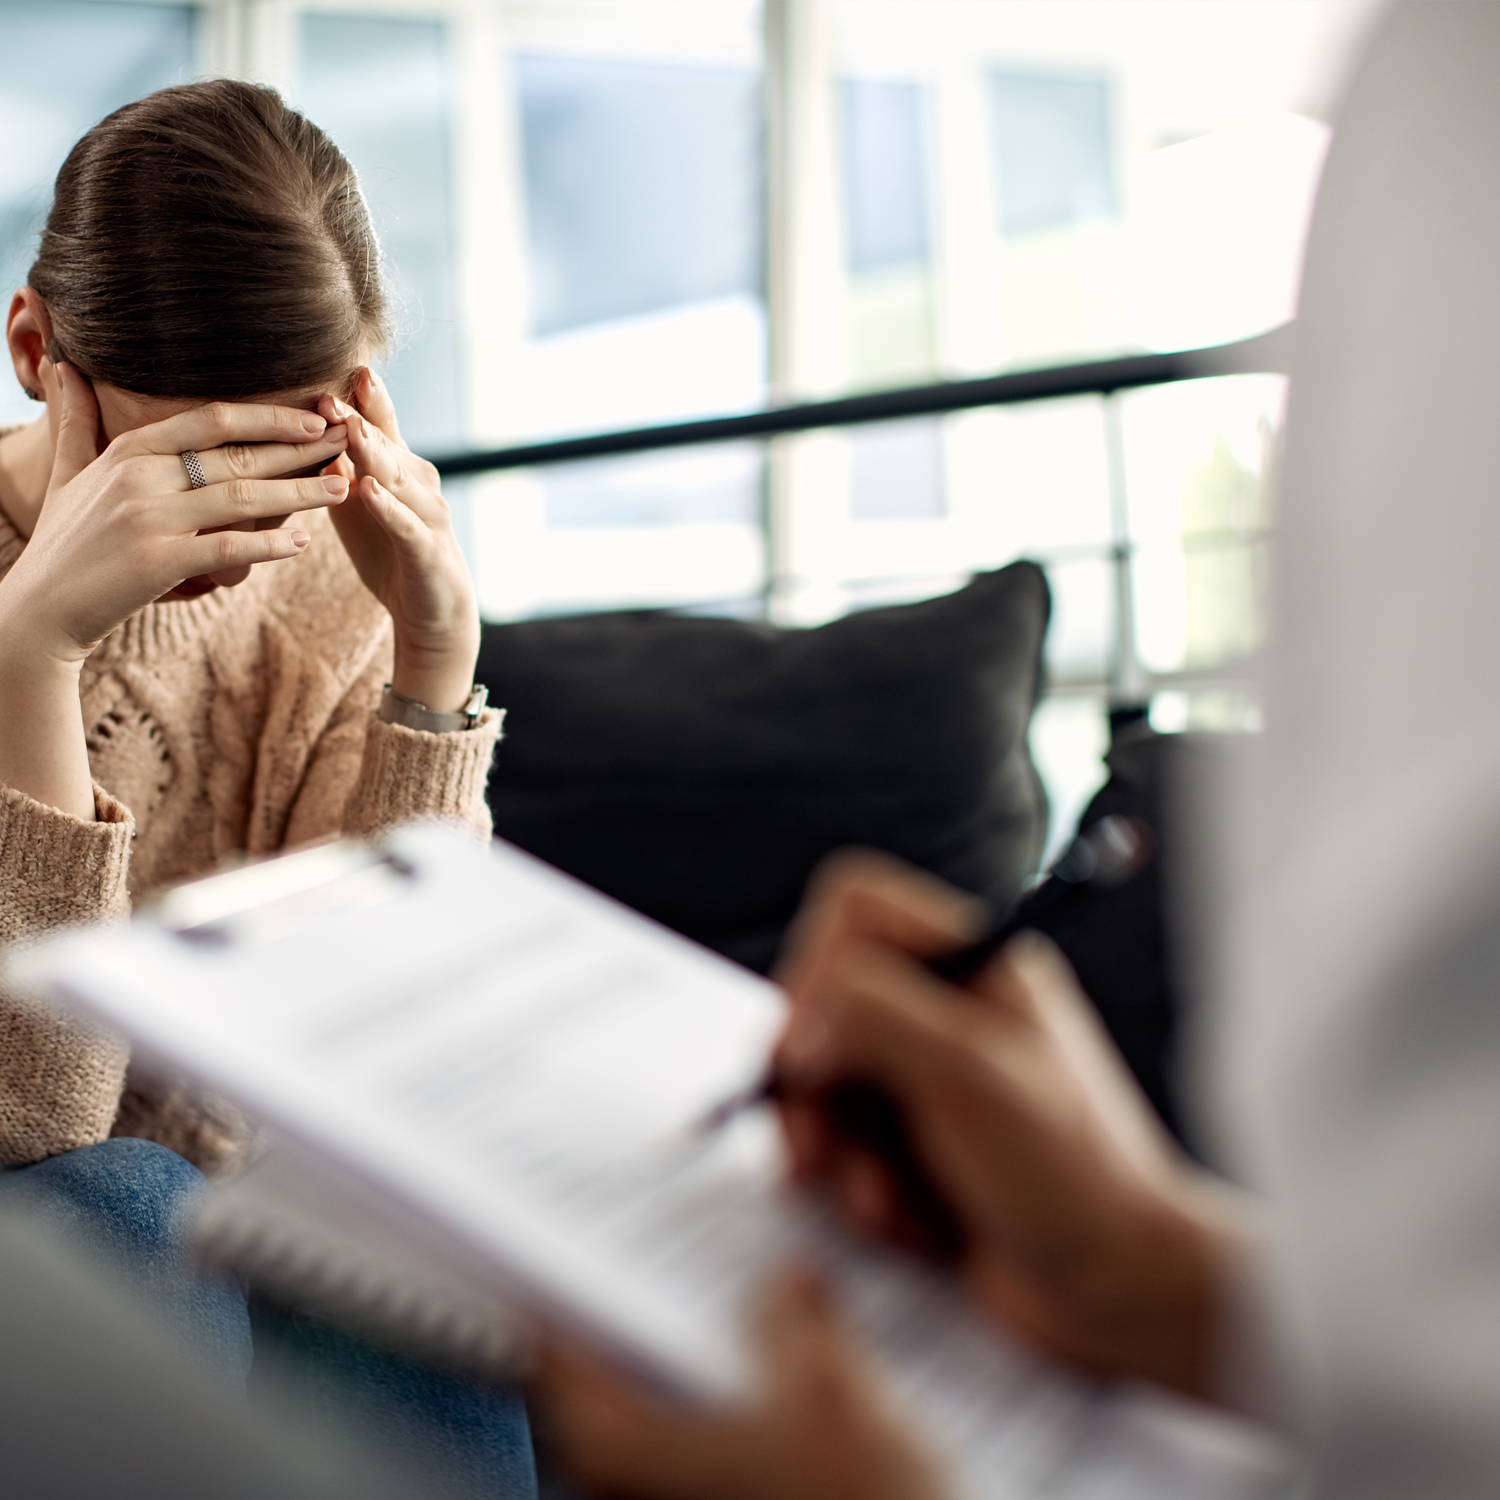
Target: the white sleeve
(1366, 1044)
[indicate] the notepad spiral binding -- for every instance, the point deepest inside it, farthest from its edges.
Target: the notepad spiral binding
(380, 1294)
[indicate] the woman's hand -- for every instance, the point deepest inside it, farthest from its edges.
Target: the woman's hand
(400, 538)
(120, 529)
(1084, 1229)
(819, 1427)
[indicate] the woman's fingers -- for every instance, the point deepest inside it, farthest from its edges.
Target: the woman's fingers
(218, 423)
(225, 551)
(373, 400)
(269, 460)
(342, 466)
(77, 428)
(377, 450)
(396, 519)
(251, 499)
(412, 480)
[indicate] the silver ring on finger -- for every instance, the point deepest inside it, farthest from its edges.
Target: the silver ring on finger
(196, 477)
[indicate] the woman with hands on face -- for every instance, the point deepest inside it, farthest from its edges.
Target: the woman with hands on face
(1084, 1229)
(233, 611)
(234, 618)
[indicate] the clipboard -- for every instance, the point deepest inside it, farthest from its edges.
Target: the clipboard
(483, 1081)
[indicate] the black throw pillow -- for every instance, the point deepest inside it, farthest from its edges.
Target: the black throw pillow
(698, 768)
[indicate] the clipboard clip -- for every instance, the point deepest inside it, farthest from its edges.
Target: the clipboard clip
(259, 903)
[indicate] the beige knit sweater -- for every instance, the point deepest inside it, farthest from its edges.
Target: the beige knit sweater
(236, 724)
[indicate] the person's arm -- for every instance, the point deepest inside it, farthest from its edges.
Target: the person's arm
(366, 774)
(60, 1081)
(399, 535)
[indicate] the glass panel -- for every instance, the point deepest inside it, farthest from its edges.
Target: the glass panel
(874, 593)
(1052, 475)
(68, 64)
(1219, 710)
(689, 361)
(1103, 175)
(1218, 226)
(905, 509)
(678, 529)
(716, 485)
(896, 470)
(884, 145)
(381, 89)
(1053, 151)
(641, 180)
(641, 186)
(1079, 635)
(1199, 462)
(885, 173)
(1069, 739)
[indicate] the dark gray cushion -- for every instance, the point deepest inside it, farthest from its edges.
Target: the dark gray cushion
(697, 768)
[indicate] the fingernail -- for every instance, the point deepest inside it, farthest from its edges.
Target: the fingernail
(300, 539)
(312, 422)
(341, 409)
(336, 484)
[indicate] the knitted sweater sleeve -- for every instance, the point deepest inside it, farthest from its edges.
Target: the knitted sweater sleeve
(60, 1081)
(366, 775)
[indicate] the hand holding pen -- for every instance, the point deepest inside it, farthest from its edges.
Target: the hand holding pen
(1065, 1207)
(1106, 855)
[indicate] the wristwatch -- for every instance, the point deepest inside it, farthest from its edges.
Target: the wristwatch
(394, 709)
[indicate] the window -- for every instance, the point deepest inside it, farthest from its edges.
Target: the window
(590, 226)
(642, 186)
(642, 209)
(381, 88)
(1053, 151)
(885, 174)
(129, 51)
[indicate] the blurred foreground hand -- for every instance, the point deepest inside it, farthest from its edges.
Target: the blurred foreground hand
(819, 1427)
(1084, 1229)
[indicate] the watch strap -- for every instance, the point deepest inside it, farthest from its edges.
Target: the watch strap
(394, 709)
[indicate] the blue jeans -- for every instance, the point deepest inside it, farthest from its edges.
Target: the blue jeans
(129, 1202)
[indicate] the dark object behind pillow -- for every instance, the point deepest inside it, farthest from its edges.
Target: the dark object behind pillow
(697, 769)
(1137, 949)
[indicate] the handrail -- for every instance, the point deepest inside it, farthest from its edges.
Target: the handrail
(1266, 353)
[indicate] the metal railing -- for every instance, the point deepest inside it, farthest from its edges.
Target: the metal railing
(1265, 354)
(1128, 685)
